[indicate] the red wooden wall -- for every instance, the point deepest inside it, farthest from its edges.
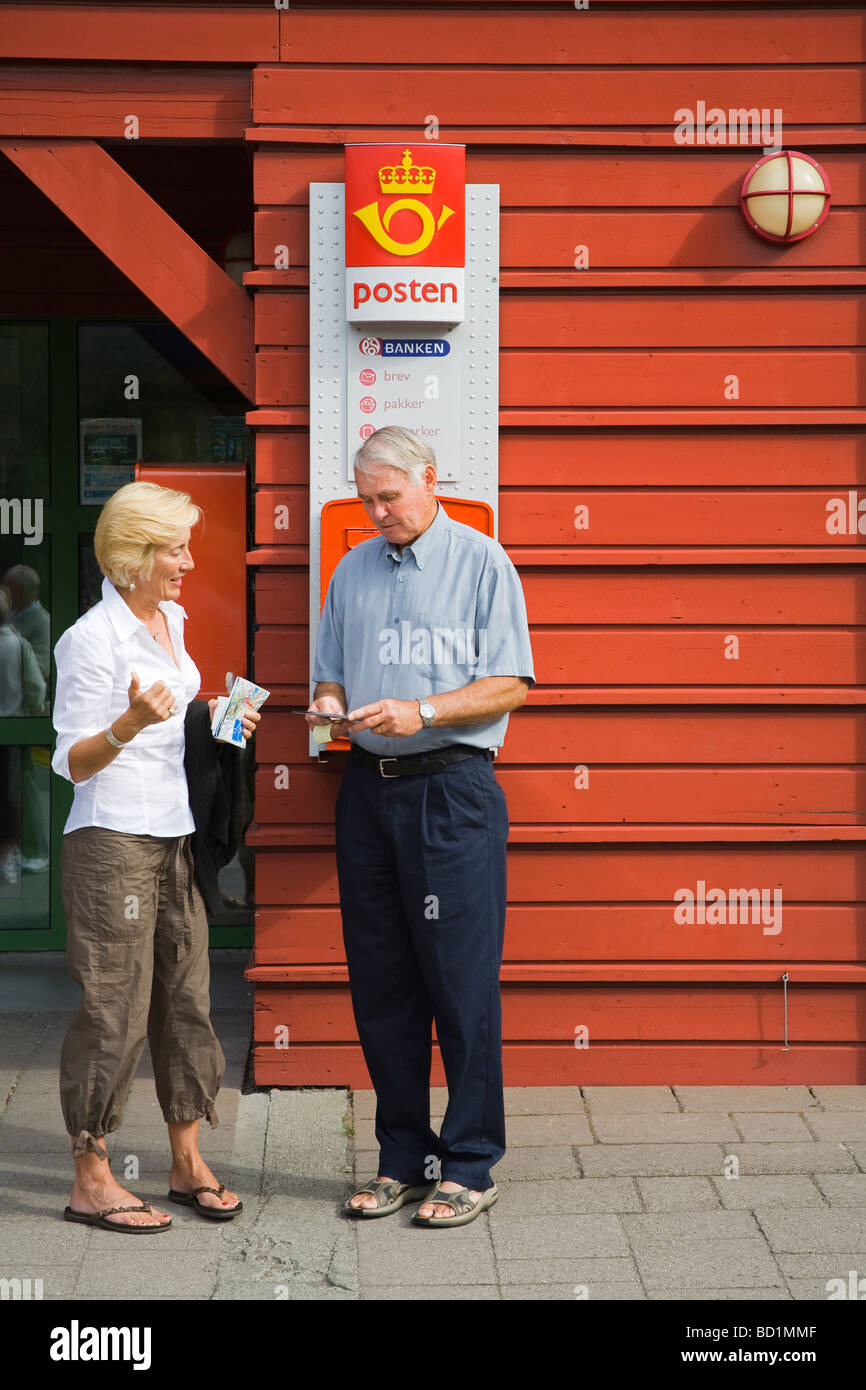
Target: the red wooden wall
(699, 645)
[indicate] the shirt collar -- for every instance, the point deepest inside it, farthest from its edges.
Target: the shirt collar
(123, 620)
(424, 545)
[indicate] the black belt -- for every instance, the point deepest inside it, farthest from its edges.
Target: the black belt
(420, 764)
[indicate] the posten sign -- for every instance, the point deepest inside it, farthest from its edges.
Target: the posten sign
(405, 233)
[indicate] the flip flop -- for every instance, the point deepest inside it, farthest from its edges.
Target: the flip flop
(395, 1193)
(465, 1210)
(100, 1218)
(190, 1199)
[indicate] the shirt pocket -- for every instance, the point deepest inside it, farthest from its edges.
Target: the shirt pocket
(455, 649)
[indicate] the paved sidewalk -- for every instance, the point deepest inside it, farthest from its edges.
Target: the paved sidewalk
(607, 1193)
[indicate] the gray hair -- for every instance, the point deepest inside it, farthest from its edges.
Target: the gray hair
(395, 447)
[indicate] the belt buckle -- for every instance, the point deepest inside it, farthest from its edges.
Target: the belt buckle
(383, 773)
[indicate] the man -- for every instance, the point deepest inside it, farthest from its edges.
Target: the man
(28, 615)
(424, 641)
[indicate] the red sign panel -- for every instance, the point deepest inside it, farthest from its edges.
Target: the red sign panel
(405, 205)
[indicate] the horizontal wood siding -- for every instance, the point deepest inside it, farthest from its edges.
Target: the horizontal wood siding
(699, 725)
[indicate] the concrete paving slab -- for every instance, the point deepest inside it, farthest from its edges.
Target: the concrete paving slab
(557, 1237)
(804, 1230)
(779, 1295)
(48, 1245)
(138, 1280)
(555, 1161)
(739, 1098)
(741, 1263)
(776, 1190)
(814, 1289)
(431, 1263)
(793, 1158)
(486, 1293)
(648, 1160)
(599, 1293)
(36, 1081)
(823, 1265)
(677, 1194)
(675, 1227)
(778, 1125)
(858, 1153)
(663, 1128)
(543, 1100)
(839, 1126)
(588, 1270)
(843, 1189)
(840, 1097)
(577, 1196)
(625, 1100)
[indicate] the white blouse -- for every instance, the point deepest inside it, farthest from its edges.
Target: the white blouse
(143, 791)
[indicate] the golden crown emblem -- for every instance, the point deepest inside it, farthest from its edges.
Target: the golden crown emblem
(416, 178)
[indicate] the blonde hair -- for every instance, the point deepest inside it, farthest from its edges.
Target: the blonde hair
(138, 519)
(395, 447)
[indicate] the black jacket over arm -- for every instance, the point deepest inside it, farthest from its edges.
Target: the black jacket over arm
(218, 799)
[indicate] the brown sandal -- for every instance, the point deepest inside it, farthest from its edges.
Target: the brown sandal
(390, 1195)
(100, 1218)
(190, 1199)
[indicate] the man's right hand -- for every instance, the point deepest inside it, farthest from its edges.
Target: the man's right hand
(328, 704)
(151, 706)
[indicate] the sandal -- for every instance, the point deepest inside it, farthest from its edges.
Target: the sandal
(465, 1209)
(190, 1199)
(100, 1218)
(393, 1192)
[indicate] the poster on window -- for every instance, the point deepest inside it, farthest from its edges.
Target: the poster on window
(109, 451)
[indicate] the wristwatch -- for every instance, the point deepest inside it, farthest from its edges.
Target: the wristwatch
(428, 713)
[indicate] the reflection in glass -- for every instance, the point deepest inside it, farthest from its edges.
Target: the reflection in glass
(145, 391)
(23, 687)
(25, 808)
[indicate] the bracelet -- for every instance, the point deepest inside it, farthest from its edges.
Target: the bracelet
(114, 741)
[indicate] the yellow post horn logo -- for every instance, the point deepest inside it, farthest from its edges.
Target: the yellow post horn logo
(379, 227)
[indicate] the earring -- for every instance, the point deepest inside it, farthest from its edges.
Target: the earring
(132, 583)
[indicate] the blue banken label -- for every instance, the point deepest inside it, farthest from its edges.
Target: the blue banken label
(415, 347)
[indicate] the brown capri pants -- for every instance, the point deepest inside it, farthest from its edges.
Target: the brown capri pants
(137, 943)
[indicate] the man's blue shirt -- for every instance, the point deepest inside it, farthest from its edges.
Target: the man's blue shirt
(443, 612)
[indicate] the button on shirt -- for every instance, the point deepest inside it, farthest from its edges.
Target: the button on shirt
(144, 790)
(443, 612)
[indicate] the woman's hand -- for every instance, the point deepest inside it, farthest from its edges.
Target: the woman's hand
(249, 718)
(151, 706)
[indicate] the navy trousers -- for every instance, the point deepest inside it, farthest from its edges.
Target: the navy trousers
(421, 864)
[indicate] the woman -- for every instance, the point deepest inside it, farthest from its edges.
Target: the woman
(136, 925)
